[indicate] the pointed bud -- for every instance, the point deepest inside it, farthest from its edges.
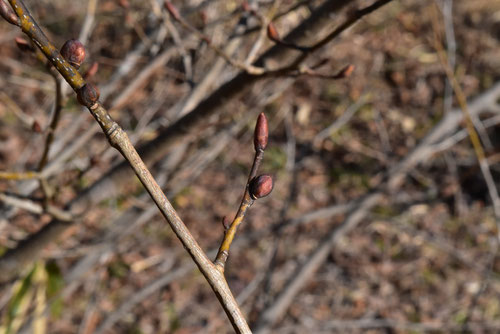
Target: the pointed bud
(172, 10)
(261, 133)
(346, 71)
(272, 33)
(124, 4)
(8, 14)
(23, 45)
(36, 127)
(260, 186)
(74, 52)
(88, 95)
(204, 18)
(246, 6)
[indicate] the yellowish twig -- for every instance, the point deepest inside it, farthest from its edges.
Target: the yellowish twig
(19, 175)
(473, 135)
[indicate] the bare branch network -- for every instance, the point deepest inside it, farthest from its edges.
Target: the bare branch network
(204, 78)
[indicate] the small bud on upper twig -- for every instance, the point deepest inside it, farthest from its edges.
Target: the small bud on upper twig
(8, 14)
(272, 33)
(346, 71)
(274, 36)
(88, 95)
(261, 133)
(23, 45)
(74, 52)
(172, 10)
(36, 127)
(260, 186)
(124, 4)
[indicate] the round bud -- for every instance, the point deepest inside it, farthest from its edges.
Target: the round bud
(260, 186)
(88, 95)
(74, 52)
(261, 133)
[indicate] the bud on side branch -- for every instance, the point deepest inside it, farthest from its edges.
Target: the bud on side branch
(172, 10)
(74, 52)
(346, 71)
(261, 133)
(260, 186)
(272, 33)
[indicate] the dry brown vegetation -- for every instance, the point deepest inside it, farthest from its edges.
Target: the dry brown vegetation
(380, 219)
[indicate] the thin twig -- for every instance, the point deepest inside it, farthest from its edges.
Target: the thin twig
(260, 142)
(250, 69)
(19, 175)
(56, 116)
(474, 138)
(35, 208)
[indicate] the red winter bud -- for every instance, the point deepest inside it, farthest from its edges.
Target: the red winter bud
(246, 6)
(260, 186)
(261, 133)
(204, 18)
(8, 14)
(88, 95)
(347, 71)
(23, 45)
(36, 127)
(124, 4)
(172, 10)
(74, 52)
(272, 33)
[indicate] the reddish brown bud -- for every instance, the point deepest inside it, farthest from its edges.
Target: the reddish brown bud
(8, 14)
(95, 160)
(124, 4)
(172, 10)
(23, 45)
(206, 39)
(246, 6)
(88, 95)
(203, 17)
(346, 71)
(74, 52)
(260, 186)
(36, 127)
(91, 71)
(272, 33)
(261, 133)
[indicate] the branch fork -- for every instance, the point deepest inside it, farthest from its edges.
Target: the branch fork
(256, 187)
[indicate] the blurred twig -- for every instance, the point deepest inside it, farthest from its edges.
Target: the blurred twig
(394, 180)
(476, 143)
(35, 208)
